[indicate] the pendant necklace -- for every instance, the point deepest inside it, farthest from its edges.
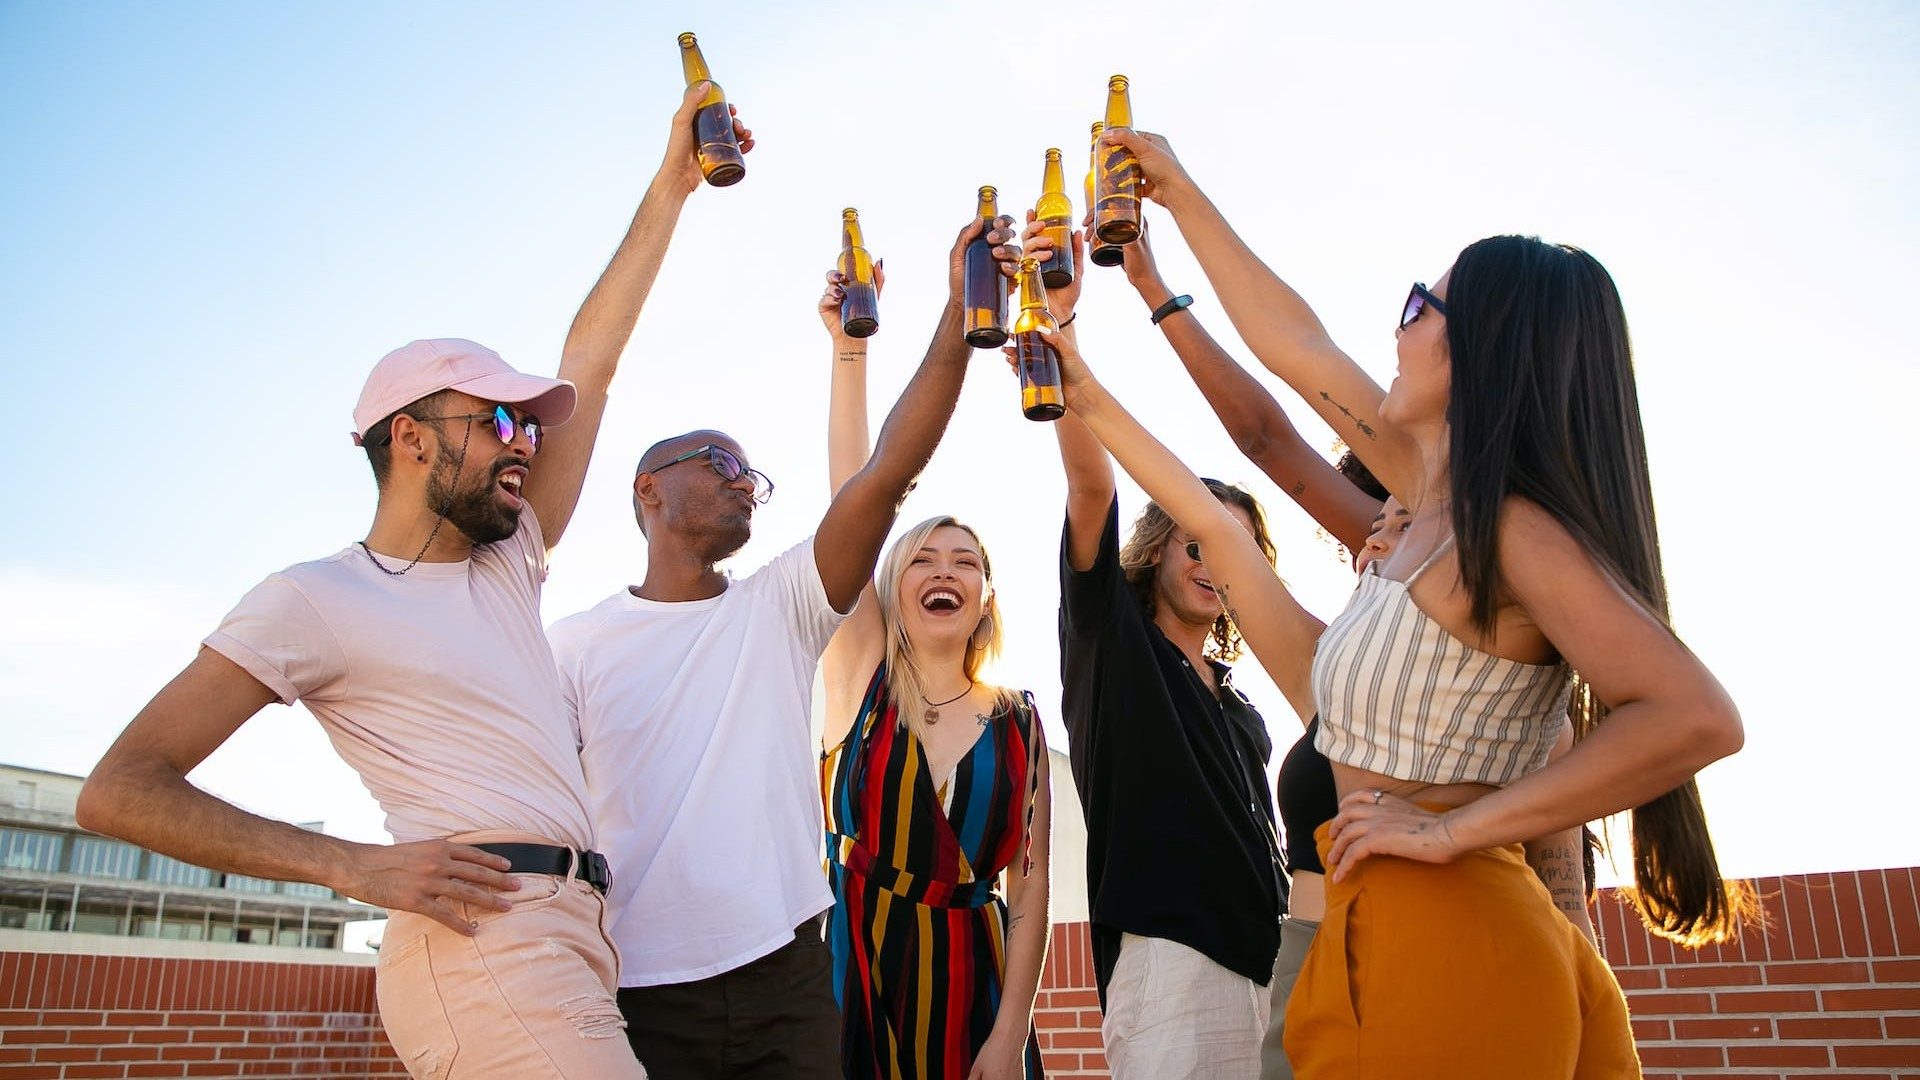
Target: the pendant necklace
(932, 715)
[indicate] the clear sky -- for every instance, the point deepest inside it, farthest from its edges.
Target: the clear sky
(217, 216)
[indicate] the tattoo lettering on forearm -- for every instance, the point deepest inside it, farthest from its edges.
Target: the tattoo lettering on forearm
(1558, 868)
(1365, 428)
(850, 354)
(1013, 922)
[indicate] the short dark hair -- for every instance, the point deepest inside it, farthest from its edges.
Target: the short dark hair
(1351, 467)
(378, 440)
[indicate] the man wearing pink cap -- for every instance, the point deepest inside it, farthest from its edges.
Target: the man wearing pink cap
(420, 651)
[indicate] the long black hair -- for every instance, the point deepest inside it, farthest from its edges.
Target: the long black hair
(1543, 406)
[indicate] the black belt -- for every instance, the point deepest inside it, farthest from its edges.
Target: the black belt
(558, 861)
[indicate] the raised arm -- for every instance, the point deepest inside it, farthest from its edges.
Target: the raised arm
(139, 792)
(856, 524)
(1274, 321)
(857, 645)
(1259, 426)
(605, 321)
(1280, 631)
(1089, 471)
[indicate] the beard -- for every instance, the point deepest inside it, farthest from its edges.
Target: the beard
(474, 509)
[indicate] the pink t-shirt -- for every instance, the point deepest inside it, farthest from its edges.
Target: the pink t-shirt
(437, 687)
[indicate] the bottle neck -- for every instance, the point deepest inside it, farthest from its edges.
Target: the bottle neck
(694, 66)
(1119, 110)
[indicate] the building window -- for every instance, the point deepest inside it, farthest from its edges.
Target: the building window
(243, 883)
(29, 849)
(105, 858)
(301, 888)
(170, 871)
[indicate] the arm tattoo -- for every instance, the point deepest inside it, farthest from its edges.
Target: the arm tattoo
(1297, 489)
(1558, 868)
(1365, 429)
(1226, 604)
(850, 354)
(983, 719)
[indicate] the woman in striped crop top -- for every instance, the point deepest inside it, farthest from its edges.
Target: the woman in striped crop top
(1530, 571)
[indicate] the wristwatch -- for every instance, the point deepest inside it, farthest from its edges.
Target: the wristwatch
(1178, 303)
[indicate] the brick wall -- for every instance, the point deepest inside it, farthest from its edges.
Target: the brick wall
(1831, 987)
(65, 1015)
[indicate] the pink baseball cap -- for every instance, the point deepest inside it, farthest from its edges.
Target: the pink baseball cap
(429, 366)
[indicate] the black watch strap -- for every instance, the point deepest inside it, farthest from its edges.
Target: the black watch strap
(1178, 303)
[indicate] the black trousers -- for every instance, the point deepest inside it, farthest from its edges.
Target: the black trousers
(772, 1018)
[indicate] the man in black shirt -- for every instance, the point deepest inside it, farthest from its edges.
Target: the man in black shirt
(1184, 881)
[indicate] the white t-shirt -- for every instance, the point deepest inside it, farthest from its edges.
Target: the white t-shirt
(436, 686)
(695, 731)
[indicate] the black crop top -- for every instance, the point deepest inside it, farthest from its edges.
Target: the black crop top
(1306, 800)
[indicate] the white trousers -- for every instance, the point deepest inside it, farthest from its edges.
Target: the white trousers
(1171, 1013)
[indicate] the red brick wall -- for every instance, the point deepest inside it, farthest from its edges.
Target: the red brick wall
(136, 1016)
(1831, 987)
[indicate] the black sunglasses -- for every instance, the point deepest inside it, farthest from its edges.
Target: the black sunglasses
(722, 460)
(1418, 299)
(504, 426)
(1193, 550)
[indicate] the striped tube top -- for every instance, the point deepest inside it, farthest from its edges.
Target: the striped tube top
(1400, 696)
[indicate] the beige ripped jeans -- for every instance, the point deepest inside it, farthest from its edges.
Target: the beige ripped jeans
(529, 995)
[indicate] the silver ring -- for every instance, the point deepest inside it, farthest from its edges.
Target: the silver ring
(1378, 794)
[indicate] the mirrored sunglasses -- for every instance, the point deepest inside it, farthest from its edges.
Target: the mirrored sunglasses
(1418, 300)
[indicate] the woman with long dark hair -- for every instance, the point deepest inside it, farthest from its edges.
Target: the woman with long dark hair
(1528, 580)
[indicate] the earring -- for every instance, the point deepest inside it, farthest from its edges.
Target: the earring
(982, 633)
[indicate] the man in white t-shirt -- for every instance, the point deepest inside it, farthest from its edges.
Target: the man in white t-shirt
(692, 693)
(419, 650)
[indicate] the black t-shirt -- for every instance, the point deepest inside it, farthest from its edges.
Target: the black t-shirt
(1180, 834)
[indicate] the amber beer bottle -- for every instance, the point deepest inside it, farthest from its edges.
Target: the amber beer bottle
(1041, 396)
(1055, 213)
(860, 294)
(1116, 185)
(719, 152)
(1101, 252)
(984, 296)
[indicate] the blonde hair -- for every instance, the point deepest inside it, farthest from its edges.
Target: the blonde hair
(904, 683)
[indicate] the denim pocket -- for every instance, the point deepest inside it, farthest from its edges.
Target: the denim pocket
(412, 1012)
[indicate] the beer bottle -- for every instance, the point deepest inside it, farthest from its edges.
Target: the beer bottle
(1055, 212)
(984, 296)
(719, 152)
(860, 294)
(1116, 186)
(1041, 395)
(1101, 252)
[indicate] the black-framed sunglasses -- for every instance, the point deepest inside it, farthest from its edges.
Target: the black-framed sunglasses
(504, 425)
(1418, 300)
(722, 460)
(1193, 550)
